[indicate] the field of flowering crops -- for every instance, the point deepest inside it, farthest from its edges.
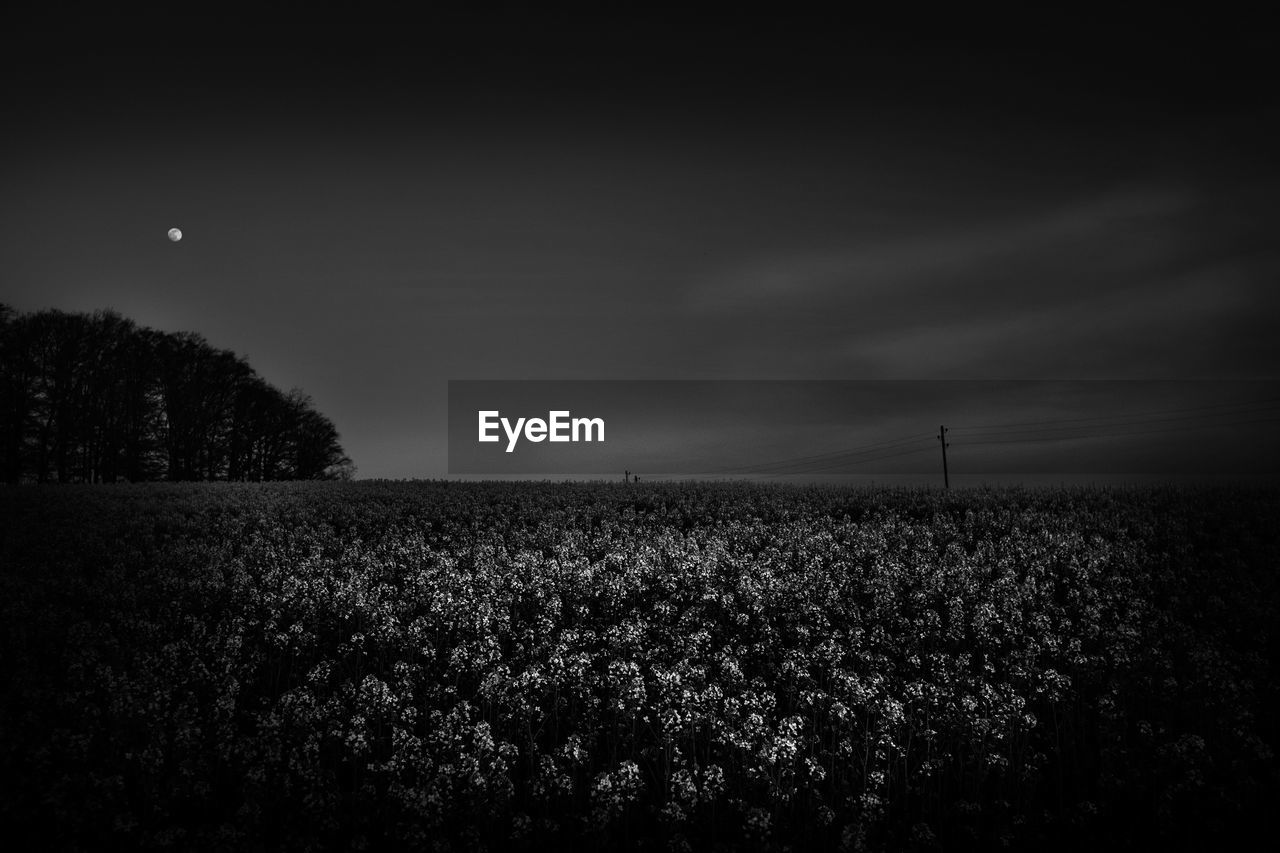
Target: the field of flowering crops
(657, 666)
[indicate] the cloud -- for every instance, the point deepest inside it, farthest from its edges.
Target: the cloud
(1128, 284)
(869, 271)
(1158, 329)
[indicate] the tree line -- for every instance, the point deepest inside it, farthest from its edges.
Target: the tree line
(97, 398)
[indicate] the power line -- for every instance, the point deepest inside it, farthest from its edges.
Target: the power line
(851, 462)
(1016, 433)
(1145, 422)
(849, 458)
(1086, 436)
(792, 460)
(1250, 403)
(864, 448)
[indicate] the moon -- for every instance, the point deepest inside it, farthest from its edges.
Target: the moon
(175, 234)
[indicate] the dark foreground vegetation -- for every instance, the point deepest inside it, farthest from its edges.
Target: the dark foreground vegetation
(493, 666)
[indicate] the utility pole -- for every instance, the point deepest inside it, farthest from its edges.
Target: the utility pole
(942, 437)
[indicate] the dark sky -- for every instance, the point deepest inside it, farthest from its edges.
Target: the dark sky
(373, 206)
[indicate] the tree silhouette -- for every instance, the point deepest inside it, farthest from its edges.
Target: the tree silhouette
(97, 398)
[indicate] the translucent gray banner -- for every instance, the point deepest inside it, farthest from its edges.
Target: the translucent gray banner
(784, 428)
